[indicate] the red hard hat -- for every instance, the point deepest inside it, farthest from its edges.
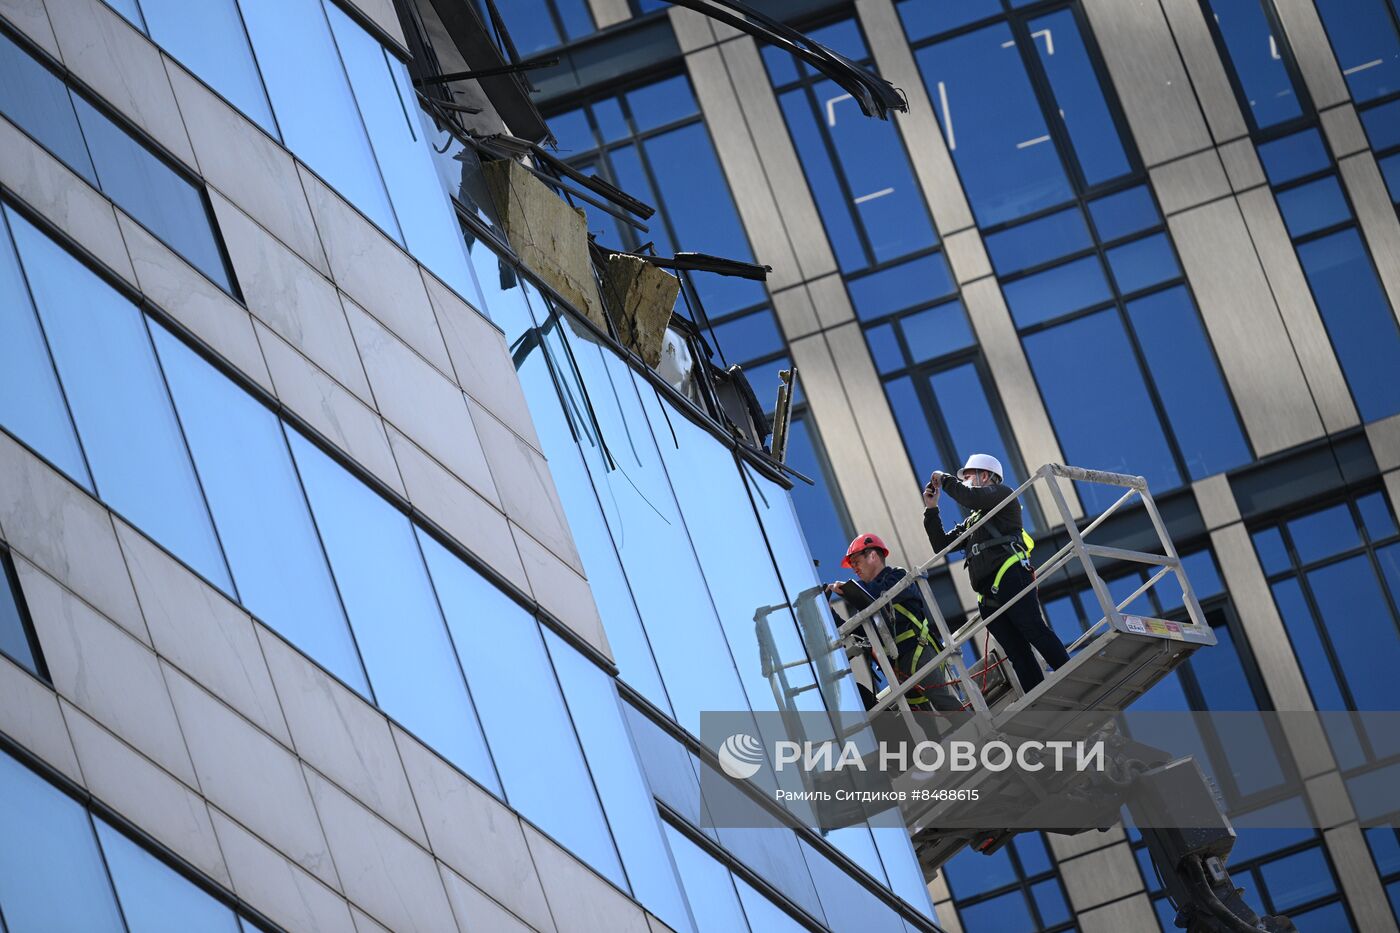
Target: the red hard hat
(864, 543)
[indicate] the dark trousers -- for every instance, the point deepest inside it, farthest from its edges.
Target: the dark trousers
(1022, 627)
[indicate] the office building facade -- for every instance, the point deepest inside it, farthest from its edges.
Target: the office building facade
(351, 582)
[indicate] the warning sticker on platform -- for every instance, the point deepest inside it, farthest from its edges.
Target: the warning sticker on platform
(1134, 624)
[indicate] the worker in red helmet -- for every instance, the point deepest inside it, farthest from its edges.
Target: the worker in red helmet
(998, 563)
(914, 639)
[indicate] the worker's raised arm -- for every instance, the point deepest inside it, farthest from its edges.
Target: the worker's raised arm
(933, 521)
(973, 498)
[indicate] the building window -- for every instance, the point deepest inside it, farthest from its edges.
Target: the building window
(1016, 888)
(1335, 577)
(1222, 678)
(1385, 850)
(1021, 104)
(94, 146)
(652, 143)
(536, 25)
(1367, 45)
(857, 167)
(1287, 870)
(17, 639)
(1338, 266)
(1262, 68)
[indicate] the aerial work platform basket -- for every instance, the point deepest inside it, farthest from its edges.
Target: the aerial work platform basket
(1117, 659)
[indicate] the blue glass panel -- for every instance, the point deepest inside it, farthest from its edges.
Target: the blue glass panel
(1254, 53)
(627, 801)
(51, 875)
(708, 884)
(1249, 751)
(209, 38)
(998, 915)
(1144, 262)
(558, 411)
(389, 105)
(1313, 206)
(967, 412)
(1079, 96)
(1331, 918)
(607, 114)
(1358, 318)
(1064, 618)
(749, 337)
(36, 101)
(816, 505)
(694, 196)
(1030, 849)
(1375, 516)
(630, 176)
(1382, 125)
(1057, 291)
(1361, 628)
(1385, 848)
(1201, 571)
(848, 904)
(1294, 156)
(578, 20)
(885, 349)
(1272, 552)
(151, 191)
(1039, 241)
(1298, 879)
(13, 639)
(572, 133)
(1302, 631)
(913, 423)
(1390, 171)
(641, 510)
(782, 67)
(406, 649)
(1124, 213)
(1050, 901)
(313, 102)
(763, 915)
(993, 124)
(662, 102)
(1120, 431)
(1367, 47)
(31, 402)
(822, 177)
(521, 719)
(924, 18)
(1188, 382)
(971, 873)
(120, 403)
(1251, 844)
(154, 898)
(937, 331)
(903, 286)
(260, 511)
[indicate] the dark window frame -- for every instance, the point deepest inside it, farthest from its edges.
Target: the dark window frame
(26, 620)
(1290, 64)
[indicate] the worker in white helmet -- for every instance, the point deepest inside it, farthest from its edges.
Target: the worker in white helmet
(998, 562)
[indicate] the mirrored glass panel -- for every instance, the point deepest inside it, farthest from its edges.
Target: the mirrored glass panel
(389, 105)
(393, 611)
(1257, 59)
(51, 873)
(208, 37)
(1366, 43)
(992, 124)
(627, 800)
(119, 402)
(523, 712)
(32, 406)
(37, 101)
(154, 898)
(152, 192)
(261, 513)
(708, 884)
(313, 101)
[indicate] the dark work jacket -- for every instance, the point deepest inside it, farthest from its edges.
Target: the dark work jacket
(908, 598)
(977, 499)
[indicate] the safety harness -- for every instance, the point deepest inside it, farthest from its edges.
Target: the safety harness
(1021, 546)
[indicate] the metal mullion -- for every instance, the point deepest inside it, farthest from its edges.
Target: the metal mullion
(1045, 96)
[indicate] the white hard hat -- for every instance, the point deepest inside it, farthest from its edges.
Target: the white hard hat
(982, 462)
